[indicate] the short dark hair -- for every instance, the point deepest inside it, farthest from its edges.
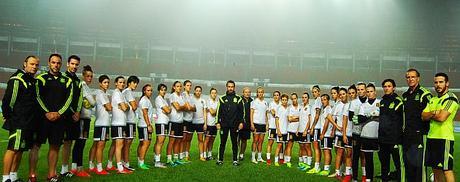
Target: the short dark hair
(230, 81)
(352, 87)
(73, 57)
(118, 78)
(316, 86)
(161, 85)
(187, 81)
(361, 83)
(327, 96)
(370, 85)
(30, 56)
(335, 88)
(198, 87)
(87, 68)
(144, 88)
(276, 91)
(389, 80)
(306, 93)
(210, 90)
(413, 69)
(285, 96)
(443, 75)
(103, 77)
(55, 55)
(133, 78)
(343, 89)
(293, 93)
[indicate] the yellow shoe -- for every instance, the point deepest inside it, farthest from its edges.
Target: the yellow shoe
(202, 159)
(277, 164)
(323, 173)
(312, 171)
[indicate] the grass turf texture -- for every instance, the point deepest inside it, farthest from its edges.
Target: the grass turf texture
(196, 170)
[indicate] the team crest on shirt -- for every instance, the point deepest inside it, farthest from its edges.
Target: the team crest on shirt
(392, 105)
(377, 104)
(62, 80)
(417, 97)
(235, 99)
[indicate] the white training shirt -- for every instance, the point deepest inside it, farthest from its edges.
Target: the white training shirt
(345, 112)
(337, 115)
(294, 111)
(118, 115)
(370, 129)
(282, 115)
(271, 120)
(211, 104)
(198, 115)
(176, 116)
(326, 111)
(304, 116)
(163, 118)
(102, 115)
(354, 107)
(260, 108)
(129, 97)
(188, 115)
(144, 103)
(88, 95)
(316, 105)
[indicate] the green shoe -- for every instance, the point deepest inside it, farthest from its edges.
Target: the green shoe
(171, 163)
(277, 164)
(312, 171)
(185, 161)
(143, 166)
(323, 173)
(288, 164)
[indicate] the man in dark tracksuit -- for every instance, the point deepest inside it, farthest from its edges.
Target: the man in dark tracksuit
(72, 128)
(19, 107)
(229, 119)
(54, 94)
(390, 132)
(414, 129)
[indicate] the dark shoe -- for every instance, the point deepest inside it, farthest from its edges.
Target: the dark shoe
(220, 163)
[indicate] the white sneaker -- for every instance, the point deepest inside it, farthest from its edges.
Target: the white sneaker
(254, 161)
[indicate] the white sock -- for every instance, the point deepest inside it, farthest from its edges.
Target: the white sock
(120, 166)
(304, 158)
(186, 154)
(317, 166)
(241, 155)
(326, 167)
(276, 158)
(141, 162)
(309, 159)
(281, 156)
(91, 165)
(259, 155)
(169, 157)
(64, 169)
(368, 180)
(268, 156)
(99, 167)
(253, 155)
(157, 158)
(287, 159)
(210, 153)
(347, 170)
(201, 155)
(364, 171)
(13, 176)
(109, 164)
(181, 155)
(337, 172)
(300, 159)
(127, 164)
(204, 155)
(5, 177)
(74, 166)
(176, 157)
